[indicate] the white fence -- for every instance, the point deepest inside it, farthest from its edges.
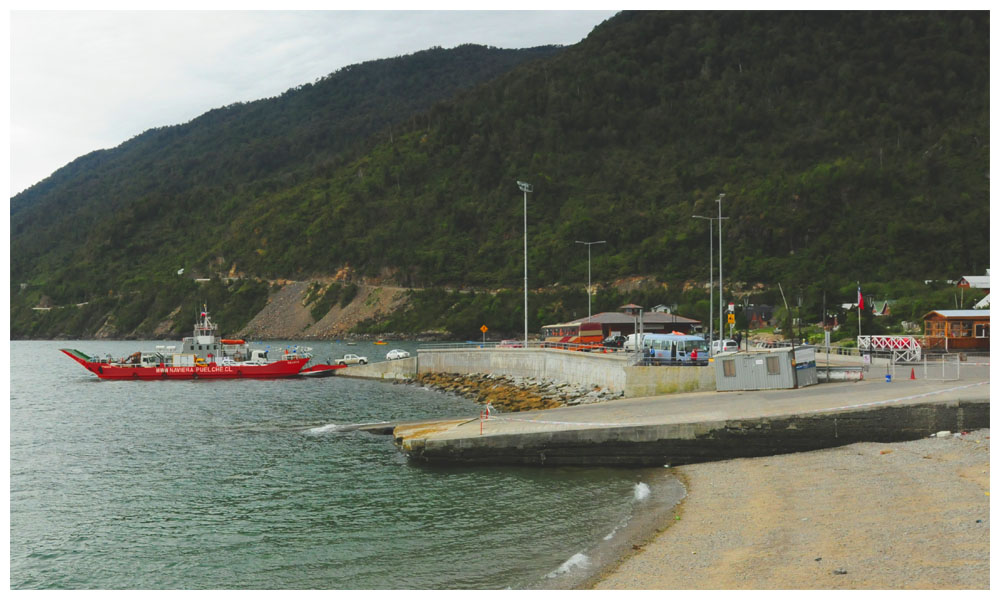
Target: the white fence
(904, 348)
(950, 368)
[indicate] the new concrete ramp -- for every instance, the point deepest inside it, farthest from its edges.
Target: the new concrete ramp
(698, 427)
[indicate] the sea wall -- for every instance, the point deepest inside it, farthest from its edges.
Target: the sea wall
(605, 371)
(695, 442)
(657, 381)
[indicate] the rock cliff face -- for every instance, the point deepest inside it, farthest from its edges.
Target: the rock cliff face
(287, 316)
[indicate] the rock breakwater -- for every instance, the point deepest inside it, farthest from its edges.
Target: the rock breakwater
(514, 394)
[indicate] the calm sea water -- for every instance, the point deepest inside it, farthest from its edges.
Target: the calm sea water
(255, 485)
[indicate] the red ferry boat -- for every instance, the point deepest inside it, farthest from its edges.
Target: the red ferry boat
(202, 356)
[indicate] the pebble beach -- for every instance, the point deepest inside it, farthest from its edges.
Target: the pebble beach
(904, 516)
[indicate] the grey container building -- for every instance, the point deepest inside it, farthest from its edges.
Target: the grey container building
(776, 369)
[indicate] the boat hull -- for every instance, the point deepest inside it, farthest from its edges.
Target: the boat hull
(272, 370)
(321, 370)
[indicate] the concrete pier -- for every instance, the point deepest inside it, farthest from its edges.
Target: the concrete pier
(705, 426)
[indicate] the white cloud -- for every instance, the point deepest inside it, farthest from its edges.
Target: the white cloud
(82, 81)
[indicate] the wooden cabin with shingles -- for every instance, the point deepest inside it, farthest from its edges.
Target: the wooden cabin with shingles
(950, 330)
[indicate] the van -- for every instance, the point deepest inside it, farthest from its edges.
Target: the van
(726, 346)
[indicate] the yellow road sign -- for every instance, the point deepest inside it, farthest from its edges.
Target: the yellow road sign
(731, 318)
(484, 329)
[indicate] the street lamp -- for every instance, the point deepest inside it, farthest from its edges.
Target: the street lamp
(720, 217)
(525, 187)
(711, 283)
(589, 244)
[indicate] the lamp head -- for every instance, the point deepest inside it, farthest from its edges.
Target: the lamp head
(525, 187)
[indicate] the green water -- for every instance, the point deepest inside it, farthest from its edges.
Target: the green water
(255, 485)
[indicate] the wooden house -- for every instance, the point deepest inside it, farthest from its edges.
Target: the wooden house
(957, 330)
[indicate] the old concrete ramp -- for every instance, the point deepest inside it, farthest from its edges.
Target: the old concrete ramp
(698, 427)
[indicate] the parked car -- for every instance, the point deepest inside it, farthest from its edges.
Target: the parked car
(614, 341)
(397, 354)
(724, 346)
(353, 359)
(511, 343)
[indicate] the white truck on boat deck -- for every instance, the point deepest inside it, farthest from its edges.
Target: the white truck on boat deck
(353, 359)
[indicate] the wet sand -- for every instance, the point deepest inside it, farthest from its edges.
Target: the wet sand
(911, 515)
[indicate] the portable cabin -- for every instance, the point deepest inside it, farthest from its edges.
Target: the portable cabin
(957, 330)
(773, 369)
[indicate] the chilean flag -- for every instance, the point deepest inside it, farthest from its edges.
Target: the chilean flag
(861, 299)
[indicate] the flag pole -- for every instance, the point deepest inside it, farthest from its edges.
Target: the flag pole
(859, 313)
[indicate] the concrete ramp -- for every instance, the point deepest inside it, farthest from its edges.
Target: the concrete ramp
(700, 427)
(404, 435)
(405, 368)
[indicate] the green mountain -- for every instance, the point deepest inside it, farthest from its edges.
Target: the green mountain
(849, 146)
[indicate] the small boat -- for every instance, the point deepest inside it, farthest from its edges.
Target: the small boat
(380, 342)
(203, 355)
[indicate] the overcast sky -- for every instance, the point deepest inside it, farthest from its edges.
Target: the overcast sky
(83, 81)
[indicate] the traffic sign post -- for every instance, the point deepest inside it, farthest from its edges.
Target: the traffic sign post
(484, 329)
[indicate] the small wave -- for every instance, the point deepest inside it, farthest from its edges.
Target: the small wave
(339, 427)
(577, 561)
(641, 491)
(325, 428)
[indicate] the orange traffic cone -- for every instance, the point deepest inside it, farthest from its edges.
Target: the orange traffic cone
(912, 374)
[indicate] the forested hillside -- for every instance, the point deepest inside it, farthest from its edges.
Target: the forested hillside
(164, 197)
(850, 146)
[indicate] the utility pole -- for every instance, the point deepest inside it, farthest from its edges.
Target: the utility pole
(589, 244)
(711, 283)
(720, 217)
(525, 187)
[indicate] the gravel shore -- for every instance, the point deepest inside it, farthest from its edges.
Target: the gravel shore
(911, 515)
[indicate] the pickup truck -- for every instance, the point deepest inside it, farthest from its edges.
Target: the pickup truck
(353, 359)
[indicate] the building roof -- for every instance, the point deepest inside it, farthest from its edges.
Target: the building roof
(617, 317)
(983, 303)
(961, 314)
(976, 281)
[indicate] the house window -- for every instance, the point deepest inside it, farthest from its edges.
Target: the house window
(934, 328)
(982, 330)
(729, 368)
(961, 329)
(773, 366)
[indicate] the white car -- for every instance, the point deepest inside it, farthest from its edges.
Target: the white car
(727, 346)
(353, 359)
(397, 354)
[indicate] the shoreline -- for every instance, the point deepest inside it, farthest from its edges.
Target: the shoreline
(905, 515)
(652, 510)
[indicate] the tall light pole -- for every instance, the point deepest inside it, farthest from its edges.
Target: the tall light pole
(525, 187)
(721, 335)
(589, 244)
(711, 282)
